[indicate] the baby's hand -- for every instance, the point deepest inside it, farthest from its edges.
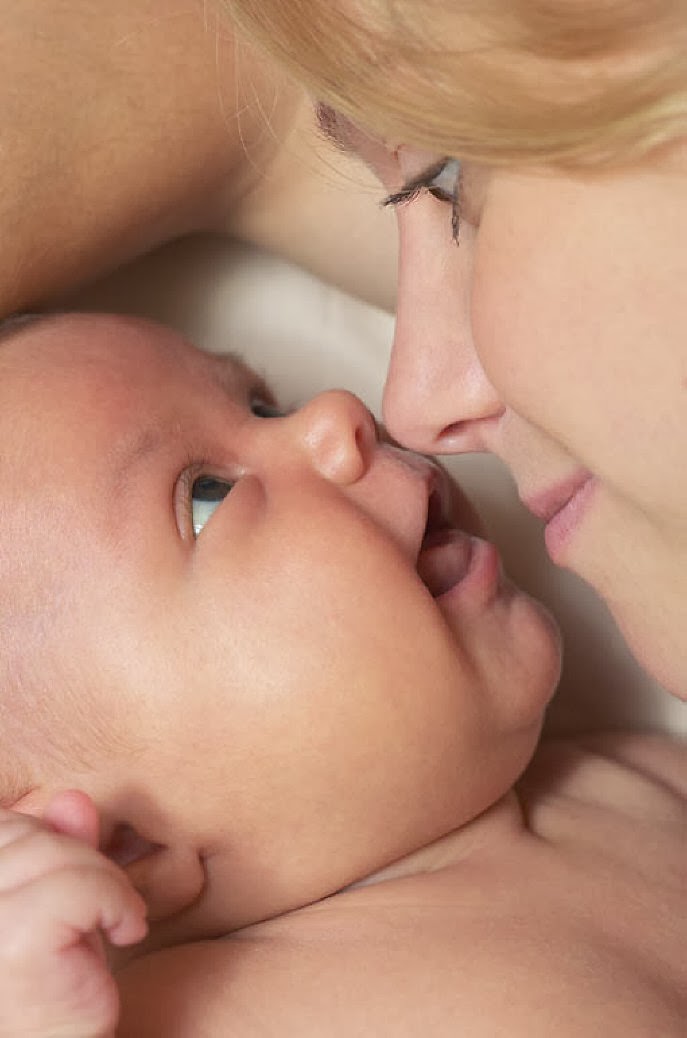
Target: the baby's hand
(57, 894)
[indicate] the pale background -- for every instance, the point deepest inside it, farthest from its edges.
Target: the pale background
(305, 336)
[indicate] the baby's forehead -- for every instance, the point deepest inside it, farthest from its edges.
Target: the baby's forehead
(76, 390)
(118, 350)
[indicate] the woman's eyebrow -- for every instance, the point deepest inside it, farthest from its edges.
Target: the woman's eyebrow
(341, 132)
(335, 128)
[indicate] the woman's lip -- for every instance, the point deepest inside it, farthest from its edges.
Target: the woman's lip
(548, 503)
(564, 522)
(562, 508)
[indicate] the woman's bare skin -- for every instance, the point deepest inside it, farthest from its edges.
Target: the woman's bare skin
(120, 132)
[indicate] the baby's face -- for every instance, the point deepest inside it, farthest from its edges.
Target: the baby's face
(283, 682)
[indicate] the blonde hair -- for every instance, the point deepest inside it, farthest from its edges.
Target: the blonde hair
(568, 82)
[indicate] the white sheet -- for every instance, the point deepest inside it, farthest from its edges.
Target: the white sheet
(306, 336)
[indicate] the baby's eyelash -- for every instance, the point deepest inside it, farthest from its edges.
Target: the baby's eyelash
(424, 182)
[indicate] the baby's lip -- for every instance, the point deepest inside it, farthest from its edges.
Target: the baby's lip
(439, 541)
(446, 549)
(448, 507)
(443, 549)
(444, 559)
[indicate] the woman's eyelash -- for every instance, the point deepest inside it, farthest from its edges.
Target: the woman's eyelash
(426, 182)
(406, 194)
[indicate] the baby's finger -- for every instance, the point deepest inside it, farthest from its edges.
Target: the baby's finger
(13, 825)
(54, 977)
(73, 813)
(36, 850)
(56, 911)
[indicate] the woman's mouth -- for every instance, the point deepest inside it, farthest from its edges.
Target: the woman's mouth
(562, 508)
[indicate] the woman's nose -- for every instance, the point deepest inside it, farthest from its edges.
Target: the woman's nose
(338, 434)
(438, 398)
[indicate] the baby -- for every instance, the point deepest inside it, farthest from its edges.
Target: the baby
(261, 679)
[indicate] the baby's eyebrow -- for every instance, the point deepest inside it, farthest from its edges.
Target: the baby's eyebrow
(129, 452)
(230, 373)
(229, 367)
(236, 377)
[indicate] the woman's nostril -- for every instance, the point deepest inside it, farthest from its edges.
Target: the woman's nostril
(451, 431)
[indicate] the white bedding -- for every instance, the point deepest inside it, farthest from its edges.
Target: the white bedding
(306, 336)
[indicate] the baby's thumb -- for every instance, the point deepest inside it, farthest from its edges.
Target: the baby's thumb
(74, 814)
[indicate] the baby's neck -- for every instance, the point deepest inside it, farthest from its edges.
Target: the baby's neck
(502, 818)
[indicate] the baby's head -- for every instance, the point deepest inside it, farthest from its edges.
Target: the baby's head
(268, 694)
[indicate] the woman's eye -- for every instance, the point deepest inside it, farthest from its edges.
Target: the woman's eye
(262, 409)
(445, 185)
(206, 494)
(443, 182)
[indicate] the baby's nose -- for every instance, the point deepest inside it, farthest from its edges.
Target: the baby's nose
(339, 435)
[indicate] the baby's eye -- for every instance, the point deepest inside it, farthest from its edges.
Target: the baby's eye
(262, 409)
(206, 494)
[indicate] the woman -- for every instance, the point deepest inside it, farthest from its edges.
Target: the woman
(541, 305)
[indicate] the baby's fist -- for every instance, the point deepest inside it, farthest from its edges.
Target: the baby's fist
(58, 893)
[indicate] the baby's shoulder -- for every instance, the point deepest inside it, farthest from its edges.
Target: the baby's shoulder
(577, 926)
(638, 780)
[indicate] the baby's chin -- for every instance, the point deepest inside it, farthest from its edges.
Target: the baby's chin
(540, 662)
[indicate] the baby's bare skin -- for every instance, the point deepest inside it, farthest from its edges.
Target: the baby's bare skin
(561, 911)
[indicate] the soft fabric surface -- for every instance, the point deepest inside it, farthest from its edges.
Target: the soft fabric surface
(306, 336)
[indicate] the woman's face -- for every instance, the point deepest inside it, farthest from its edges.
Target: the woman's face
(554, 334)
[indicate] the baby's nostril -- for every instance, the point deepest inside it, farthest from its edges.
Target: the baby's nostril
(367, 433)
(360, 438)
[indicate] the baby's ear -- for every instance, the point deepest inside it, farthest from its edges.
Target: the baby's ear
(169, 878)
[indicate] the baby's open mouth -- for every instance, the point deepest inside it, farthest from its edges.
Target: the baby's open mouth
(450, 531)
(446, 549)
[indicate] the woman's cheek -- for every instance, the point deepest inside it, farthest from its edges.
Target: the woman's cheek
(498, 291)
